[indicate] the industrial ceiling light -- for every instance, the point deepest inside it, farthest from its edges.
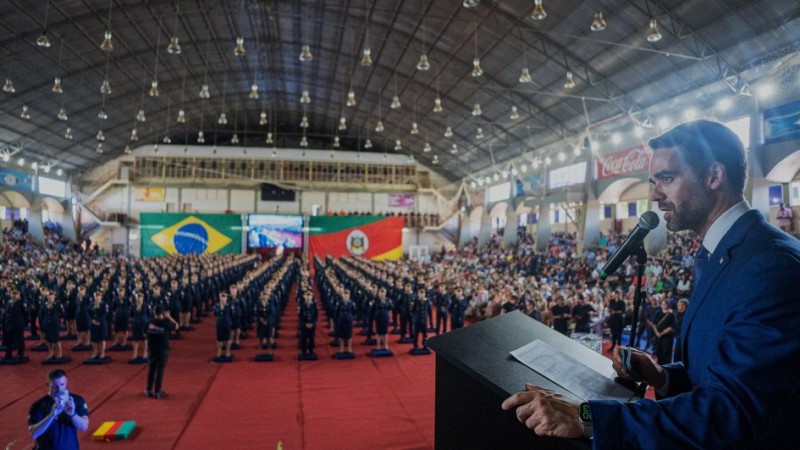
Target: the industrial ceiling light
(201, 138)
(476, 68)
(204, 93)
(525, 76)
(423, 64)
(68, 133)
(471, 3)
(448, 132)
(223, 119)
(514, 113)
(305, 98)
(437, 104)
(342, 123)
(351, 98)
(62, 114)
(134, 135)
(59, 172)
(174, 47)
(262, 120)
(569, 80)
(239, 49)
(435, 159)
(57, 86)
(99, 147)
(304, 122)
(304, 142)
(598, 23)
(21, 161)
(454, 149)
(42, 40)
(140, 116)
(153, 89)
(476, 110)
(167, 140)
(395, 102)
(181, 116)
(102, 115)
(379, 127)
(253, 91)
(336, 142)
(107, 45)
(398, 145)
(538, 12)
(24, 114)
(105, 87)
(476, 62)
(653, 35)
(269, 138)
(100, 136)
(368, 143)
(9, 86)
(305, 54)
(366, 57)
(479, 135)
(414, 128)
(427, 148)
(235, 139)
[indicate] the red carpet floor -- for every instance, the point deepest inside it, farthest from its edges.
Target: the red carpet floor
(363, 403)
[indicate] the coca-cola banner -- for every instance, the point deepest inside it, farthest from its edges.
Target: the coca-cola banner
(623, 162)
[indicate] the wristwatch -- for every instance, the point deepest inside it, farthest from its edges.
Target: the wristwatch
(585, 416)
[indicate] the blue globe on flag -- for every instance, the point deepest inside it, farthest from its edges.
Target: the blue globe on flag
(191, 238)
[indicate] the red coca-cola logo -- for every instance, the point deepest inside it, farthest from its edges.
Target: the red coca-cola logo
(623, 162)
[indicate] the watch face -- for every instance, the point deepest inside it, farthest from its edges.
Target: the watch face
(584, 412)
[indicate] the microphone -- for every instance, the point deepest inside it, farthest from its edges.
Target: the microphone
(647, 222)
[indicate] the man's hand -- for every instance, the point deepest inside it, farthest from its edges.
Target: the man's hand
(545, 412)
(647, 369)
(69, 406)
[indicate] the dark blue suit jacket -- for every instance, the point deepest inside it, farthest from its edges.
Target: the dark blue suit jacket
(739, 384)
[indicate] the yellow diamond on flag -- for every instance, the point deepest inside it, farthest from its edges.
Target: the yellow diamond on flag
(190, 236)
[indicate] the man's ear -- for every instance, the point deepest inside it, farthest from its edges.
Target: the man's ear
(716, 175)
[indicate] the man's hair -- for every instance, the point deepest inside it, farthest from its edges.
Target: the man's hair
(703, 142)
(56, 373)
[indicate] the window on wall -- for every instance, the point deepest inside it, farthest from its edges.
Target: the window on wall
(794, 191)
(605, 211)
(499, 222)
(567, 176)
(49, 186)
(561, 215)
(499, 192)
(741, 127)
(775, 194)
(522, 220)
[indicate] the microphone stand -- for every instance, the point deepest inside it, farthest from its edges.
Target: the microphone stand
(641, 260)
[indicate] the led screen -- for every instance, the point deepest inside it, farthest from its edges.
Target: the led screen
(273, 230)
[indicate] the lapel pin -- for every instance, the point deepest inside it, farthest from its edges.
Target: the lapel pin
(721, 260)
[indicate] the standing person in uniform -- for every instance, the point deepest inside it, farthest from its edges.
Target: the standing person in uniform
(381, 309)
(54, 419)
(51, 313)
(158, 351)
(344, 322)
(679, 315)
(458, 308)
(140, 314)
(419, 318)
(222, 314)
(616, 320)
(738, 385)
(663, 329)
(14, 326)
(308, 322)
(265, 317)
(98, 313)
(442, 300)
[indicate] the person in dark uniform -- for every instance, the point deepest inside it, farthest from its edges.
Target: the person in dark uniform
(308, 322)
(381, 309)
(51, 313)
(419, 318)
(406, 301)
(582, 313)
(442, 300)
(14, 325)
(54, 419)
(70, 307)
(265, 317)
(157, 351)
(121, 317)
(679, 315)
(82, 319)
(140, 315)
(616, 311)
(561, 316)
(98, 326)
(235, 300)
(458, 307)
(344, 322)
(663, 331)
(222, 314)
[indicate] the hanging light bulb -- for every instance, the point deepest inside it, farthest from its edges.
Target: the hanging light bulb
(414, 128)
(305, 98)
(167, 140)
(305, 54)
(204, 93)
(107, 45)
(351, 98)
(368, 143)
(304, 122)
(235, 139)
(423, 63)
(99, 147)
(454, 148)
(24, 114)
(100, 136)
(269, 138)
(181, 116)
(105, 87)
(21, 161)
(57, 86)
(366, 57)
(538, 11)
(342, 123)
(476, 110)
(479, 135)
(448, 132)
(598, 23)
(134, 135)
(427, 147)
(379, 127)
(68, 133)
(525, 76)
(336, 142)
(262, 120)
(395, 102)
(471, 3)
(436, 159)
(154, 88)
(102, 114)
(514, 113)
(569, 81)
(253, 91)
(62, 114)
(140, 116)
(398, 145)
(239, 49)
(653, 35)
(223, 119)
(201, 139)
(9, 86)
(174, 48)
(476, 68)
(128, 150)
(437, 104)
(303, 142)
(6, 157)
(42, 40)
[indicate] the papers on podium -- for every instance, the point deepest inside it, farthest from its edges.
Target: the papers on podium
(570, 374)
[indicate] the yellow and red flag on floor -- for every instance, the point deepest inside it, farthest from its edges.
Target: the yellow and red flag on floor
(114, 431)
(373, 237)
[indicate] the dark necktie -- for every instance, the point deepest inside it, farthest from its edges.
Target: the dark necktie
(700, 261)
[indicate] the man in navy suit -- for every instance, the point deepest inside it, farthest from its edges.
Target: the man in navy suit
(739, 383)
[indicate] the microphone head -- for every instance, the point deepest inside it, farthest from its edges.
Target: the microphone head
(648, 221)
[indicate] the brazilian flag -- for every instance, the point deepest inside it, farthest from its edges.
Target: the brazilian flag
(185, 234)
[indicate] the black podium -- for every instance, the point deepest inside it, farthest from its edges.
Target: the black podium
(475, 372)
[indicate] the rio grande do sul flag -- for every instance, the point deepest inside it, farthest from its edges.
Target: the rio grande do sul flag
(374, 237)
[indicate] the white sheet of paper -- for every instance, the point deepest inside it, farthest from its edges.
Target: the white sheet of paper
(568, 373)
